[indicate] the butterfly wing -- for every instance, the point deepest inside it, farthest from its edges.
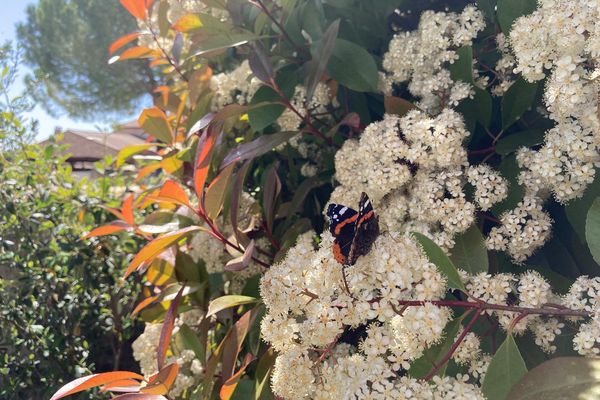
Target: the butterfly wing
(366, 231)
(342, 225)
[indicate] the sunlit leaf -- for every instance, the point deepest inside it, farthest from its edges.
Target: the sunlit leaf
(173, 191)
(144, 303)
(161, 382)
(137, 8)
(127, 210)
(94, 380)
(216, 191)
(157, 246)
(187, 23)
(167, 329)
(229, 386)
(108, 229)
(140, 396)
(129, 151)
(122, 386)
(202, 162)
(242, 261)
(122, 41)
(154, 122)
(224, 302)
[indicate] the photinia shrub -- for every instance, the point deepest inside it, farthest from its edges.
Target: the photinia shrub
(473, 130)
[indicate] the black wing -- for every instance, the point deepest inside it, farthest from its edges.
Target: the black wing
(366, 231)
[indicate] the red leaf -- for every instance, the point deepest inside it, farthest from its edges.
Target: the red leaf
(137, 8)
(167, 329)
(134, 52)
(122, 41)
(143, 304)
(127, 210)
(139, 396)
(203, 156)
(87, 382)
(123, 386)
(236, 338)
(216, 191)
(157, 246)
(229, 386)
(108, 229)
(172, 190)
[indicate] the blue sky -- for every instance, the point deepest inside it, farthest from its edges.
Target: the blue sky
(13, 11)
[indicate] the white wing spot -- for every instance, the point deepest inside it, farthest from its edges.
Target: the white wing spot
(343, 210)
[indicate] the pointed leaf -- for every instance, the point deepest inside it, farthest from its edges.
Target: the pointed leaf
(353, 67)
(437, 256)
(235, 200)
(172, 190)
(592, 229)
(122, 386)
(162, 381)
(518, 98)
(242, 261)
(509, 10)
(397, 105)
(90, 381)
(140, 396)
(133, 53)
(137, 8)
(143, 304)
(122, 41)
(157, 246)
(506, 368)
(263, 372)
(236, 340)
(270, 194)
(321, 53)
(202, 163)
(260, 63)
(469, 251)
(559, 378)
(127, 210)
(188, 22)
(191, 341)
(129, 151)
(154, 122)
(256, 148)
(224, 302)
(216, 191)
(167, 329)
(108, 229)
(229, 386)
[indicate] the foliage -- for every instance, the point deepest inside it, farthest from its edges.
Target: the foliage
(269, 106)
(66, 41)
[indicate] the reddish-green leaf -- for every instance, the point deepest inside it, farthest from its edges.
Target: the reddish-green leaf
(215, 193)
(137, 8)
(224, 302)
(143, 304)
(167, 329)
(241, 262)
(203, 156)
(133, 53)
(260, 63)
(257, 147)
(172, 190)
(157, 246)
(270, 195)
(235, 199)
(122, 41)
(161, 382)
(188, 22)
(263, 371)
(397, 105)
(122, 386)
(229, 386)
(321, 52)
(155, 123)
(108, 229)
(127, 210)
(238, 334)
(87, 382)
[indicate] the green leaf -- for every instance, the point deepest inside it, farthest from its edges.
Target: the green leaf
(191, 342)
(592, 229)
(509, 169)
(261, 117)
(437, 256)
(559, 378)
(509, 10)
(321, 51)
(506, 368)
(353, 67)
(256, 148)
(462, 68)
(577, 209)
(479, 108)
(517, 99)
(154, 122)
(263, 372)
(513, 142)
(224, 302)
(469, 252)
(433, 355)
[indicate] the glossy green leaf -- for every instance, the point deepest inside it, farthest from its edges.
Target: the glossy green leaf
(462, 68)
(437, 256)
(592, 229)
(190, 341)
(469, 251)
(560, 378)
(577, 209)
(509, 10)
(353, 67)
(515, 141)
(506, 369)
(224, 302)
(517, 99)
(261, 117)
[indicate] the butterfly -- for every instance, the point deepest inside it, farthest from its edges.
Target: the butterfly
(354, 232)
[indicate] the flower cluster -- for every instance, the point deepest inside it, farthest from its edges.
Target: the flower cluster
(421, 56)
(504, 66)
(561, 39)
(321, 99)
(237, 86)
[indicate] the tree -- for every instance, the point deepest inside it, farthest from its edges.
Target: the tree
(66, 42)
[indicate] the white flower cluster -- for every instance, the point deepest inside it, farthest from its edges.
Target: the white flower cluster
(420, 57)
(190, 368)
(584, 294)
(490, 186)
(308, 309)
(522, 230)
(237, 86)
(562, 38)
(290, 121)
(504, 67)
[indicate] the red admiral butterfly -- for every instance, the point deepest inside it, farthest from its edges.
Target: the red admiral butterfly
(354, 232)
